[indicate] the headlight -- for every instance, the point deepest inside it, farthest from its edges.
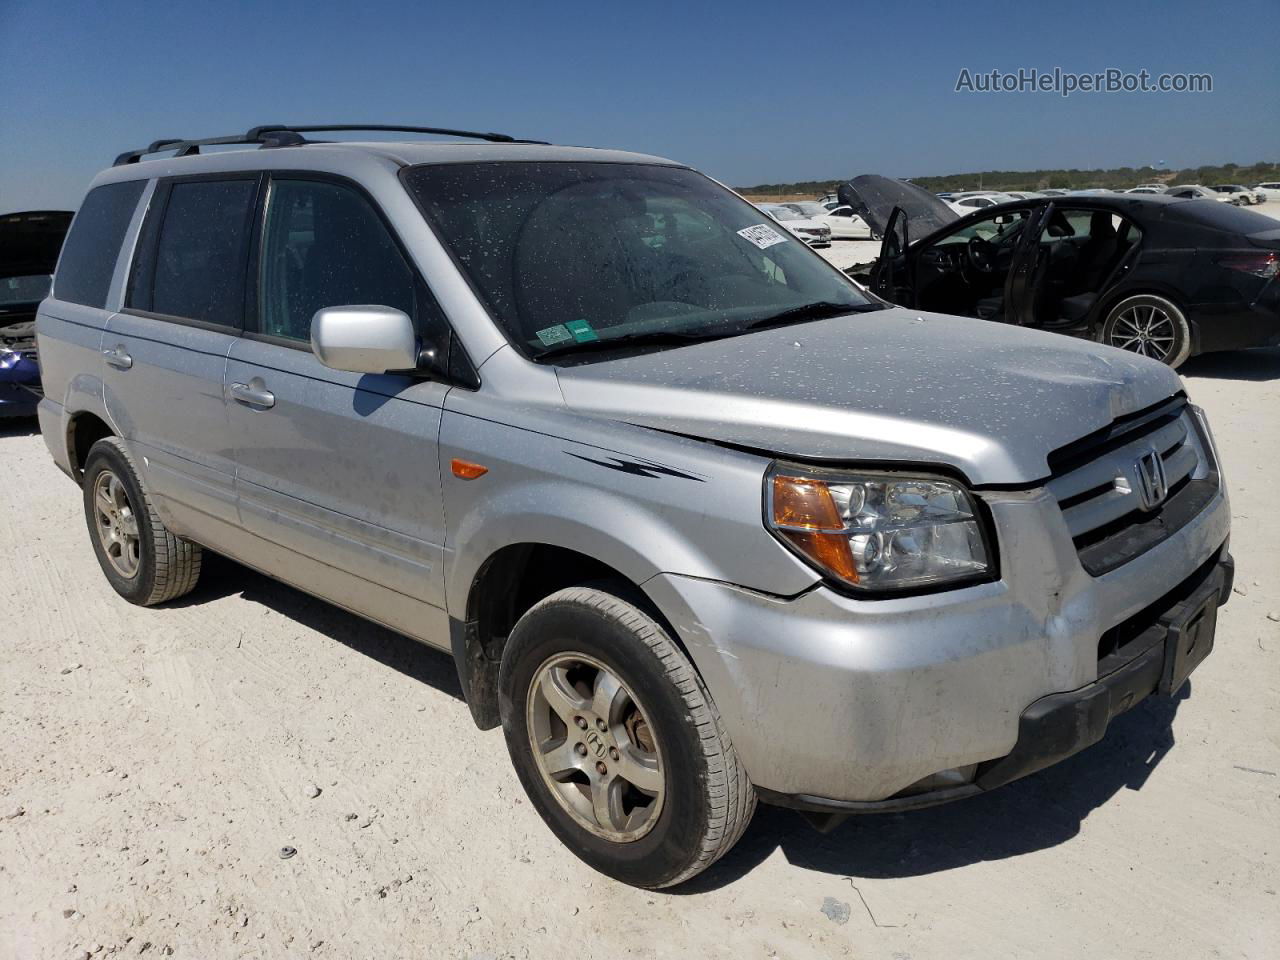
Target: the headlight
(877, 532)
(8, 358)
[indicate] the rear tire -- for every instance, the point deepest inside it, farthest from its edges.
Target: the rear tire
(142, 560)
(1151, 326)
(682, 798)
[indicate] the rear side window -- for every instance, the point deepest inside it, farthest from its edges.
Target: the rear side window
(192, 264)
(325, 246)
(89, 255)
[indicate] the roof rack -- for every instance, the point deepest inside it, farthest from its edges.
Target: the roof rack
(291, 135)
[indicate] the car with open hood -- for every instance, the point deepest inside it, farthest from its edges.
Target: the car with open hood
(29, 245)
(1159, 276)
(700, 521)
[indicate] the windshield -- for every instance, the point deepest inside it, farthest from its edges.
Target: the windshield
(568, 254)
(31, 289)
(809, 209)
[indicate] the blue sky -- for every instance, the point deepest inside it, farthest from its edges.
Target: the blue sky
(748, 92)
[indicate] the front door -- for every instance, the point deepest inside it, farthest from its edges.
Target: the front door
(340, 468)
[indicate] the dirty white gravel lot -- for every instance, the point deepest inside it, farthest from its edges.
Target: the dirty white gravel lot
(153, 763)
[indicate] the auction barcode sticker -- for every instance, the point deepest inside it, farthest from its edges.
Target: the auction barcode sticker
(762, 235)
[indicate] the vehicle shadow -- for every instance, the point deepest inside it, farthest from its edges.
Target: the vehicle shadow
(1259, 364)
(1036, 813)
(18, 427)
(222, 577)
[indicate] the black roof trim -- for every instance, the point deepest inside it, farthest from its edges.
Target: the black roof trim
(291, 135)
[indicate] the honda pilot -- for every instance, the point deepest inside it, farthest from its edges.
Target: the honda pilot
(700, 521)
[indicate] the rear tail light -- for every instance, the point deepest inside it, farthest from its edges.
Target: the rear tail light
(1264, 265)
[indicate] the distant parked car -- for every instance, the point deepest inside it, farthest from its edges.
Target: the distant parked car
(812, 232)
(1054, 192)
(842, 221)
(1193, 191)
(1269, 190)
(29, 247)
(1147, 189)
(972, 200)
(1240, 196)
(1024, 194)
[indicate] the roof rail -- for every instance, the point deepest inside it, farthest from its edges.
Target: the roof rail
(289, 135)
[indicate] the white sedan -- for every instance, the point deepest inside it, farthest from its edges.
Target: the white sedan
(972, 200)
(812, 232)
(844, 223)
(1269, 191)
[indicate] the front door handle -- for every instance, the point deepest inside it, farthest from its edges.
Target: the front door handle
(118, 358)
(253, 394)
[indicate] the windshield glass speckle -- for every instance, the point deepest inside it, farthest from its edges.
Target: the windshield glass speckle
(578, 255)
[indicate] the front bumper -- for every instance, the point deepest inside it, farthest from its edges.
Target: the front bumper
(839, 703)
(1155, 659)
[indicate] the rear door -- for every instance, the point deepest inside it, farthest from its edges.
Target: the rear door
(166, 351)
(339, 467)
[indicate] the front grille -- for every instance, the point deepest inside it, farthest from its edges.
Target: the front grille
(1098, 484)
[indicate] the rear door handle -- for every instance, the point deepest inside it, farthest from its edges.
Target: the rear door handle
(253, 395)
(118, 358)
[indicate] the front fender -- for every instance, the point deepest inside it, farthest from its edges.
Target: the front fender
(641, 501)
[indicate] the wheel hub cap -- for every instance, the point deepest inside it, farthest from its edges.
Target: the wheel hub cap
(1145, 329)
(594, 747)
(116, 524)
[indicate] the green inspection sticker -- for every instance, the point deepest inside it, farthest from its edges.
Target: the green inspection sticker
(581, 331)
(550, 336)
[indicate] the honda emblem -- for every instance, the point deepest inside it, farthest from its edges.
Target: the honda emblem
(1152, 487)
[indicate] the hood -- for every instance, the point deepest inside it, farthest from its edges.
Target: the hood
(873, 198)
(30, 242)
(990, 400)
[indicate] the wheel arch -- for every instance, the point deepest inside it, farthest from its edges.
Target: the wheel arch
(83, 430)
(505, 585)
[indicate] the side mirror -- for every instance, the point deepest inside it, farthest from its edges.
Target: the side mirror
(364, 339)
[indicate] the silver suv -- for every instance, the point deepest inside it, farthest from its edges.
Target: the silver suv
(700, 520)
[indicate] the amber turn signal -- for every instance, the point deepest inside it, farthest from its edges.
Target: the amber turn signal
(467, 470)
(805, 514)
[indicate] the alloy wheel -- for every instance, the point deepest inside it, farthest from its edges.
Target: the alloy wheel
(595, 748)
(116, 524)
(1144, 329)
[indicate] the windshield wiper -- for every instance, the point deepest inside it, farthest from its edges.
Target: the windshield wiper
(659, 338)
(820, 310)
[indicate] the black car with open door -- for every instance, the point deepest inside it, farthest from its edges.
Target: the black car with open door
(1159, 276)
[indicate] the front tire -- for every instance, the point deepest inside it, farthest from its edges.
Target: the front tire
(617, 742)
(142, 560)
(1151, 326)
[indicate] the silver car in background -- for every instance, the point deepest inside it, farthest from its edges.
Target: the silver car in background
(699, 520)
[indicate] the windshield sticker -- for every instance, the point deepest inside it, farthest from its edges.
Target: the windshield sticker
(762, 235)
(581, 331)
(550, 336)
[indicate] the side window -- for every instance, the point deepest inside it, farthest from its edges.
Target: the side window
(325, 246)
(192, 266)
(89, 255)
